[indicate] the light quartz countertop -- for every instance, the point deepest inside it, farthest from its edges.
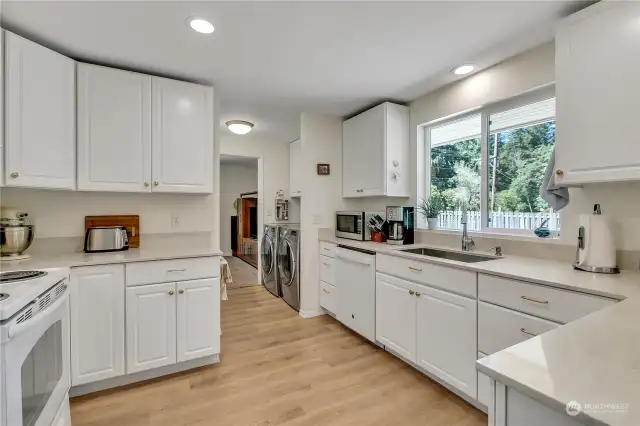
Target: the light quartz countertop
(593, 360)
(78, 258)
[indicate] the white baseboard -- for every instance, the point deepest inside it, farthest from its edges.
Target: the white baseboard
(227, 254)
(311, 314)
(142, 376)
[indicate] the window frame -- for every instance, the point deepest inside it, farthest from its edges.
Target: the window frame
(424, 157)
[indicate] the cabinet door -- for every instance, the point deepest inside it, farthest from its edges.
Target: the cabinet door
(97, 323)
(295, 168)
(182, 137)
(363, 146)
(151, 326)
(356, 281)
(2, 92)
(114, 130)
(447, 338)
(597, 109)
(396, 312)
(198, 322)
(40, 145)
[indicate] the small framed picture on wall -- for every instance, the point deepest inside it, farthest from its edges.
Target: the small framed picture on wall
(324, 169)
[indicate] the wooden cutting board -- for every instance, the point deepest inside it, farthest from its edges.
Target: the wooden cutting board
(131, 222)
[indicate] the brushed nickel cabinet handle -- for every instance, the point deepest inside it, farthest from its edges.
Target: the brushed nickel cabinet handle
(176, 270)
(417, 294)
(156, 183)
(542, 302)
(14, 175)
(526, 332)
(324, 290)
(171, 292)
(146, 184)
(559, 172)
(326, 264)
(415, 269)
(181, 291)
(411, 292)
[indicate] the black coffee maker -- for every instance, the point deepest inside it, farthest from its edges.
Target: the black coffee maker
(401, 225)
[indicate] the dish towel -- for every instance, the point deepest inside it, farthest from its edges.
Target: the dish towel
(556, 195)
(225, 278)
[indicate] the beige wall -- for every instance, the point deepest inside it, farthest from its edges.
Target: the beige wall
(522, 73)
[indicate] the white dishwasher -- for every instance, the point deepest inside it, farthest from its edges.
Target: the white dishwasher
(356, 285)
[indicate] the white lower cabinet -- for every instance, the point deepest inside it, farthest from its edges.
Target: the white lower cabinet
(97, 323)
(151, 326)
(198, 322)
(447, 343)
(396, 315)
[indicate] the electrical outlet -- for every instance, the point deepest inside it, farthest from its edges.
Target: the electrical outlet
(175, 220)
(269, 212)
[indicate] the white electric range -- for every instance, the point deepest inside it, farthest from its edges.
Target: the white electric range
(34, 348)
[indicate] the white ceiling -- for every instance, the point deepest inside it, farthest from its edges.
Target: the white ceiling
(269, 61)
(236, 160)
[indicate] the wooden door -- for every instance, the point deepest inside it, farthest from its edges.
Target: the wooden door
(40, 145)
(151, 326)
(198, 319)
(447, 337)
(114, 130)
(97, 323)
(182, 137)
(396, 310)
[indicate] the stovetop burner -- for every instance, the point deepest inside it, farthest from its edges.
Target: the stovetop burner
(10, 277)
(3, 296)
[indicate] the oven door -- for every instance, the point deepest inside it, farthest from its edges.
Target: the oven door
(36, 365)
(349, 225)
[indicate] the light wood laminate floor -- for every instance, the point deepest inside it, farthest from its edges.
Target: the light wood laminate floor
(242, 273)
(280, 369)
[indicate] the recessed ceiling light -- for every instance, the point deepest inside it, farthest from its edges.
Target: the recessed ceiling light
(239, 127)
(201, 25)
(463, 69)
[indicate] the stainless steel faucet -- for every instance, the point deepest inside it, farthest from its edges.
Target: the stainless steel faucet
(467, 241)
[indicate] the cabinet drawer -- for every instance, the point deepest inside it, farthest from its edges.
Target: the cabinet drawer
(328, 297)
(327, 249)
(450, 279)
(163, 271)
(500, 328)
(327, 270)
(546, 302)
(484, 386)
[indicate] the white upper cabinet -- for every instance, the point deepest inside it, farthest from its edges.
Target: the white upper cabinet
(447, 337)
(40, 145)
(295, 168)
(114, 130)
(375, 153)
(182, 137)
(1, 107)
(598, 94)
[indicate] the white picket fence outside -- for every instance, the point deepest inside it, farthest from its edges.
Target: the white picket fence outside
(506, 220)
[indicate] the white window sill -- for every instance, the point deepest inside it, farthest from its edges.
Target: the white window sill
(497, 235)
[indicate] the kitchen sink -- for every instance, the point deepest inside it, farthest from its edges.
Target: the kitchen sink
(452, 255)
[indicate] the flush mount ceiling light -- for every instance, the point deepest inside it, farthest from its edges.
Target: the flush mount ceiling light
(463, 69)
(239, 127)
(200, 25)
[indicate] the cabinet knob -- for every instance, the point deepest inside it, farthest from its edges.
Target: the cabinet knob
(559, 172)
(14, 175)
(156, 183)
(418, 293)
(411, 292)
(146, 184)
(171, 293)
(181, 291)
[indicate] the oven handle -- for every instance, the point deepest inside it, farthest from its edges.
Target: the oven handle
(16, 329)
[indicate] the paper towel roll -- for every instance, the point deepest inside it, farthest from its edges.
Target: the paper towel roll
(599, 245)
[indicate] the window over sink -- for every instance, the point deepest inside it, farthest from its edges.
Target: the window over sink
(492, 161)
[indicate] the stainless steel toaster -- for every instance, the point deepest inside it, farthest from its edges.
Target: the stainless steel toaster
(106, 238)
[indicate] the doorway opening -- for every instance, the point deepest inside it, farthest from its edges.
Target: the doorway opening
(240, 218)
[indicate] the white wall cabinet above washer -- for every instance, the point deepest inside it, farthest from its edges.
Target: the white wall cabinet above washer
(114, 130)
(598, 94)
(40, 144)
(182, 137)
(295, 168)
(375, 153)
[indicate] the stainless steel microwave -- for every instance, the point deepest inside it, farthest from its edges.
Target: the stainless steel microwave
(353, 225)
